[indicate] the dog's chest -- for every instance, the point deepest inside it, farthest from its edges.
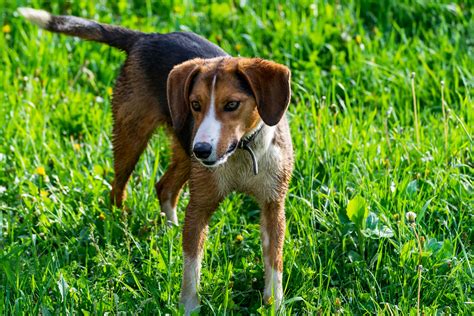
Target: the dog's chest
(237, 173)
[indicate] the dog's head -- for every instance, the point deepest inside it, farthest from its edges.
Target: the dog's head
(227, 98)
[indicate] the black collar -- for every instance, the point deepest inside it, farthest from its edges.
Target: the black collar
(245, 145)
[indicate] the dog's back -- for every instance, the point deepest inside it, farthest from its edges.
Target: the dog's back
(150, 58)
(139, 102)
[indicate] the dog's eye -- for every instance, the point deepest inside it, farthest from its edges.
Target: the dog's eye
(231, 106)
(196, 106)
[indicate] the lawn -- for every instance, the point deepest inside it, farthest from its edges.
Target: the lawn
(364, 160)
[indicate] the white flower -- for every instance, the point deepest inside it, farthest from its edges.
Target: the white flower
(410, 216)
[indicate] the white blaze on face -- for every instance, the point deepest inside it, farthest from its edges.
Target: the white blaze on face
(210, 128)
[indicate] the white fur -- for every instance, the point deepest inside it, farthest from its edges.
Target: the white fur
(273, 278)
(273, 286)
(265, 239)
(237, 173)
(74, 21)
(189, 288)
(210, 129)
(170, 212)
(38, 17)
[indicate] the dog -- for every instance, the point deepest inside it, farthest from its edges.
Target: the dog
(226, 116)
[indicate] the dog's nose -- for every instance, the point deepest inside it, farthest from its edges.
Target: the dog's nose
(202, 150)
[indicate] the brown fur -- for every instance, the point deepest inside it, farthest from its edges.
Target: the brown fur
(269, 83)
(136, 116)
(171, 183)
(140, 103)
(209, 186)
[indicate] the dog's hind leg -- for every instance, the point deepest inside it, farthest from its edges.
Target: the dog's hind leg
(171, 183)
(130, 137)
(136, 116)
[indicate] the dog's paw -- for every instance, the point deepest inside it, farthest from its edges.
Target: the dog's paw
(273, 295)
(190, 304)
(170, 212)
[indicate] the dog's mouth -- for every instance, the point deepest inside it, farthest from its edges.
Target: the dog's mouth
(208, 163)
(231, 148)
(219, 161)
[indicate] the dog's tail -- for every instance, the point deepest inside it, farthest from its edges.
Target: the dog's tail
(114, 36)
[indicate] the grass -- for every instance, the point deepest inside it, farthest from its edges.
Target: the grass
(360, 164)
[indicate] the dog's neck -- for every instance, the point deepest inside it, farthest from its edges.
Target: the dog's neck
(248, 138)
(256, 143)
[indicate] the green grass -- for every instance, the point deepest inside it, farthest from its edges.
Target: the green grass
(64, 250)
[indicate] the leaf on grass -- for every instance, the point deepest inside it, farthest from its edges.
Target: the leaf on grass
(375, 229)
(98, 170)
(161, 265)
(441, 249)
(354, 256)
(357, 211)
(412, 187)
(385, 232)
(407, 250)
(372, 221)
(63, 287)
(294, 299)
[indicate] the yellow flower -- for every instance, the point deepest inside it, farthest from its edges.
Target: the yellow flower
(238, 47)
(239, 238)
(6, 28)
(102, 216)
(76, 146)
(358, 39)
(44, 193)
(40, 171)
(178, 9)
(110, 91)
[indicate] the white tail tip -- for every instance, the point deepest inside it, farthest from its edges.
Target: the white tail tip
(38, 17)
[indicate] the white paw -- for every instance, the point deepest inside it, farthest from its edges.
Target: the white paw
(170, 213)
(190, 303)
(273, 292)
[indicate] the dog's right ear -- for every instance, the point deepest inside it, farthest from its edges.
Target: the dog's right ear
(178, 88)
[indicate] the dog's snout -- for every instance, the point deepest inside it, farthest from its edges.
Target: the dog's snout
(202, 150)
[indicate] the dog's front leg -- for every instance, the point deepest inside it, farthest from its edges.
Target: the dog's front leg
(201, 206)
(273, 236)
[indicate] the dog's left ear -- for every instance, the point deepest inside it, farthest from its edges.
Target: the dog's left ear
(178, 89)
(270, 84)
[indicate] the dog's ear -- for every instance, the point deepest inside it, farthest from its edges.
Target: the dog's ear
(270, 84)
(178, 88)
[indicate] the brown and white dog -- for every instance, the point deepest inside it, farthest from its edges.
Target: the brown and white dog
(226, 116)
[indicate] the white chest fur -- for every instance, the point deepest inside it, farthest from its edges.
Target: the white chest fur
(237, 173)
